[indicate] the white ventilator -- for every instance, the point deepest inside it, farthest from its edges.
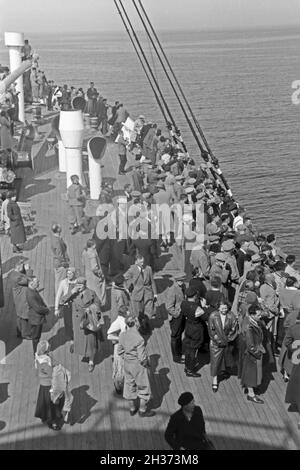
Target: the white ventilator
(15, 42)
(71, 130)
(96, 148)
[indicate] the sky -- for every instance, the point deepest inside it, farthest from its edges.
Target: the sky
(101, 15)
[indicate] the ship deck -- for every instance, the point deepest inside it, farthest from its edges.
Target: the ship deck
(100, 419)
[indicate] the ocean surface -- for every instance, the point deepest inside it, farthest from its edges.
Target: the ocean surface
(239, 86)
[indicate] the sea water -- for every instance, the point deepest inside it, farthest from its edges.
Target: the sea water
(239, 84)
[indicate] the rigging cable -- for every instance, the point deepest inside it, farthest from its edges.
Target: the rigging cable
(214, 160)
(144, 68)
(169, 78)
(171, 118)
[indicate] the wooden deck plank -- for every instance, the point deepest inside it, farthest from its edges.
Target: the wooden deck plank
(231, 421)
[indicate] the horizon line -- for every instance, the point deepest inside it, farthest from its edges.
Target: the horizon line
(166, 30)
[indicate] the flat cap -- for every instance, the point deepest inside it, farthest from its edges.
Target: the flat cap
(136, 194)
(228, 245)
(191, 291)
(220, 256)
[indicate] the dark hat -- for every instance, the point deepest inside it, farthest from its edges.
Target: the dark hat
(118, 279)
(191, 291)
(185, 398)
(251, 298)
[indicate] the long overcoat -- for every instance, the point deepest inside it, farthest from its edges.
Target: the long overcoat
(222, 342)
(251, 354)
(81, 302)
(17, 228)
(293, 388)
(93, 274)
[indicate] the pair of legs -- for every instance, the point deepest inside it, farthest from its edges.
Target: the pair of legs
(36, 333)
(78, 219)
(123, 161)
(177, 329)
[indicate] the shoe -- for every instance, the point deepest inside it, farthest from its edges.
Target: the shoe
(179, 360)
(91, 367)
(255, 399)
(192, 374)
(54, 426)
(122, 173)
(146, 414)
(215, 387)
(133, 412)
(71, 348)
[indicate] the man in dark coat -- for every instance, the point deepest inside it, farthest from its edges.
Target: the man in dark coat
(175, 297)
(241, 256)
(37, 311)
(194, 331)
(17, 229)
(186, 427)
(19, 278)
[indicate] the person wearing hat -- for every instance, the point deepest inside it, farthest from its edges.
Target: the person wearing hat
(86, 341)
(137, 176)
(93, 273)
(60, 255)
(49, 413)
(219, 269)
(193, 332)
(64, 302)
(133, 350)
(17, 229)
(186, 427)
(251, 344)
(117, 327)
(175, 296)
(122, 152)
(200, 258)
(242, 254)
(162, 200)
(18, 279)
(149, 141)
(76, 199)
(239, 219)
(178, 188)
(37, 311)
(140, 283)
(119, 296)
(228, 248)
(223, 331)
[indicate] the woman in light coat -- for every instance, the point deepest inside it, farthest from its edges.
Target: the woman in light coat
(93, 272)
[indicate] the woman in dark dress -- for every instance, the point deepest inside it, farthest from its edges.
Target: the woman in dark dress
(17, 229)
(292, 343)
(251, 353)
(50, 413)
